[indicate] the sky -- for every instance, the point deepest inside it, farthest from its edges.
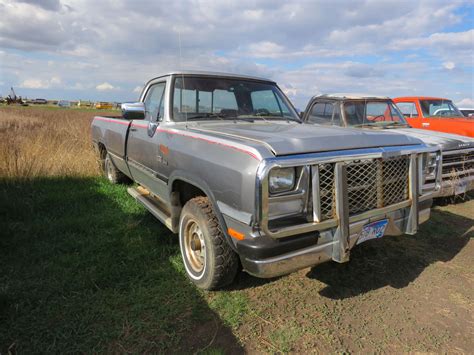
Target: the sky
(106, 50)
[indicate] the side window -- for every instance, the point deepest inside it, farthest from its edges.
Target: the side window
(154, 103)
(324, 113)
(408, 109)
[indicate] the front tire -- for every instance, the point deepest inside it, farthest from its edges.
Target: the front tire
(209, 261)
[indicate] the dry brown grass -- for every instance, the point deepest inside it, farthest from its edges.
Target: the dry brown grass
(36, 142)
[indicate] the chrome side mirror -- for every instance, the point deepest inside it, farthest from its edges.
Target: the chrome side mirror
(133, 111)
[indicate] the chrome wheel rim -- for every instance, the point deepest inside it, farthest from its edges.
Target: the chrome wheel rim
(194, 246)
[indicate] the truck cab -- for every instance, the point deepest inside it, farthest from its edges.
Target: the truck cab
(435, 114)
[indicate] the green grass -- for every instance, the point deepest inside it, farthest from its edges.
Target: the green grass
(284, 338)
(231, 306)
(84, 268)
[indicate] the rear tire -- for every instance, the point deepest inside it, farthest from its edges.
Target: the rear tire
(209, 260)
(112, 174)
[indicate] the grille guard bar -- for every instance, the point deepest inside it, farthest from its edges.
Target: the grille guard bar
(342, 220)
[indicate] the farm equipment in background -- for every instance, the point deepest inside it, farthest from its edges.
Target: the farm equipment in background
(104, 105)
(12, 99)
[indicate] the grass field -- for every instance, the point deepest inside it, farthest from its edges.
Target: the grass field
(83, 268)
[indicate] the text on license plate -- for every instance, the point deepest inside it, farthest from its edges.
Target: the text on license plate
(372, 230)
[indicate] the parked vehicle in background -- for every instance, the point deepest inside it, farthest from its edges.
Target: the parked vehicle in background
(40, 101)
(380, 113)
(468, 112)
(435, 114)
(82, 103)
(64, 103)
(104, 105)
(224, 161)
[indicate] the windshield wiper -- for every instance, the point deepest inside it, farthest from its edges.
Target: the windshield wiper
(266, 116)
(207, 115)
(368, 124)
(395, 124)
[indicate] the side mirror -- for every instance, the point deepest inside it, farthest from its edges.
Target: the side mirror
(133, 111)
(301, 114)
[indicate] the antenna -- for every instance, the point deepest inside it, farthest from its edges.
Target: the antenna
(182, 78)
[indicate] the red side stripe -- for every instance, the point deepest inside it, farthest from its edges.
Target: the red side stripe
(211, 142)
(126, 123)
(139, 125)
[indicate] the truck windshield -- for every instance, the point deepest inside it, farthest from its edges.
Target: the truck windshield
(373, 113)
(207, 98)
(439, 108)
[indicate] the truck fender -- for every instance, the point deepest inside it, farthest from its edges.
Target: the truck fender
(202, 185)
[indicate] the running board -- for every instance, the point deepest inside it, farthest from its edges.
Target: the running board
(141, 195)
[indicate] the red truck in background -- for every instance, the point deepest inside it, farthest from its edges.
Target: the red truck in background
(436, 114)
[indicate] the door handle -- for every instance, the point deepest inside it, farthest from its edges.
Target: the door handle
(425, 124)
(133, 129)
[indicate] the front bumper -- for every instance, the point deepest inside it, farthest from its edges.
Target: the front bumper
(452, 187)
(319, 247)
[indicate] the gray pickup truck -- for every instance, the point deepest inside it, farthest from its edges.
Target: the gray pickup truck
(381, 113)
(225, 162)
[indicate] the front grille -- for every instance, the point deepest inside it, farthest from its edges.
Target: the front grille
(371, 184)
(458, 165)
(361, 180)
(326, 190)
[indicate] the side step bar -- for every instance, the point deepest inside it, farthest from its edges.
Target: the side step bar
(143, 196)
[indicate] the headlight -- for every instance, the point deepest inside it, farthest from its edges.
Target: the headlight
(281, 180)
(430, 165)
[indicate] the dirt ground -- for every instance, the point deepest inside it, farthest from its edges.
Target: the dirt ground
(397, 294)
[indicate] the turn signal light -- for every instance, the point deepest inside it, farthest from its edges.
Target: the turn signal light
(234, 234)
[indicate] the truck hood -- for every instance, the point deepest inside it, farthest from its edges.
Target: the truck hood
(446, 141)
(283, 138)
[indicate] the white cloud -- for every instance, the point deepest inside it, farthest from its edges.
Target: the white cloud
(466, 102)
(105, 87)
(138, 89)
(41, 84)
(34, 84)
(449, 65)
(265, 49)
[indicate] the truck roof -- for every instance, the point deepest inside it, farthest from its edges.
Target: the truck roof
(342, 96)
(420, 98)
(210, 73)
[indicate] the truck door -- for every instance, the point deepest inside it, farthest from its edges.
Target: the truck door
(142, 146)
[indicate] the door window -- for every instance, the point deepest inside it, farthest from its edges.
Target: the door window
(408, 109)
(154, 103)
(324, 113)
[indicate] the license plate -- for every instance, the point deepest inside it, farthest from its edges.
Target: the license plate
(460, 188)
(372, 230)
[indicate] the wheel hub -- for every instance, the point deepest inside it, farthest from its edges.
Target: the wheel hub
(194, 246)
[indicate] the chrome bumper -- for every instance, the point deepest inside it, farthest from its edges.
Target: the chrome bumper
(451, 187)
(328, 244)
